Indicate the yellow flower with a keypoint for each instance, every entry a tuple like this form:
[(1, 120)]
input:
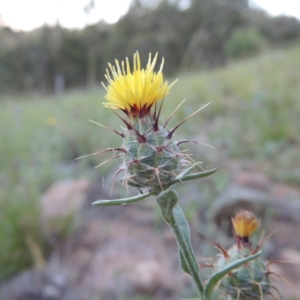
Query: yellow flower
[(245, 223), (134, 92), (51, 121)]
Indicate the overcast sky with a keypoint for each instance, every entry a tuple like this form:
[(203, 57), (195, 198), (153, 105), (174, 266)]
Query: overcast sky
[(29, 14)]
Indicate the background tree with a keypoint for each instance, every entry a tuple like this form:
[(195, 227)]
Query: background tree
[(205, 34)]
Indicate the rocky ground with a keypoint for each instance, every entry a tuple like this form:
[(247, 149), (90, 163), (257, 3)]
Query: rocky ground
[(114, 253)]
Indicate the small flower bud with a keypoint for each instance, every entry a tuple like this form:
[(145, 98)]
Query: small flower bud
[(245, 223)]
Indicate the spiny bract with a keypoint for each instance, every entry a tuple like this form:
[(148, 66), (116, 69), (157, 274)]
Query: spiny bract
[(151, 158), (247, 282)]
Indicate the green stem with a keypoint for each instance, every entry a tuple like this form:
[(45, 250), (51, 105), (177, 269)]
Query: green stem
[(174, 217)]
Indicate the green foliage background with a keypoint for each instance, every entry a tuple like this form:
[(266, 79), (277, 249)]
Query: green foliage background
[(253, 118), (206, 34)]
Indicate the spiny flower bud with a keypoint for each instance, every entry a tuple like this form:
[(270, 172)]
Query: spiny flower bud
[(151, 158), (249, 281)]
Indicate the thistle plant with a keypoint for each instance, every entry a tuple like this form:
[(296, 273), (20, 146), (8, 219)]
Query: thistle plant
[(154, 162), (251, 280)]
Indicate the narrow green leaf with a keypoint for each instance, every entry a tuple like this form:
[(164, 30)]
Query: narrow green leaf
[(122, 200), (183, 264), (214, 279), (185, 231), (198, 175), (188, 170), (192, 176)]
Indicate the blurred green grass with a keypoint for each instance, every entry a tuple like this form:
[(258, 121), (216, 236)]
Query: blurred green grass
[(253, 117)]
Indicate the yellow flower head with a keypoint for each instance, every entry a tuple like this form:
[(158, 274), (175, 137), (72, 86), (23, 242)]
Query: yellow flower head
[(245, 223), (51, 121), (135, 91)]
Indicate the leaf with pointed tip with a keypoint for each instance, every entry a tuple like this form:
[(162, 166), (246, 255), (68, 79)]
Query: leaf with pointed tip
[(216, 277), (198, 175), (188, 170), (192, 176), (122, 200), (175, 218)]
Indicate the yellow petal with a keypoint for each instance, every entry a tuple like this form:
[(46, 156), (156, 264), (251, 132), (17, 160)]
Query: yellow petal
[(135, 91), (245, 223)]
